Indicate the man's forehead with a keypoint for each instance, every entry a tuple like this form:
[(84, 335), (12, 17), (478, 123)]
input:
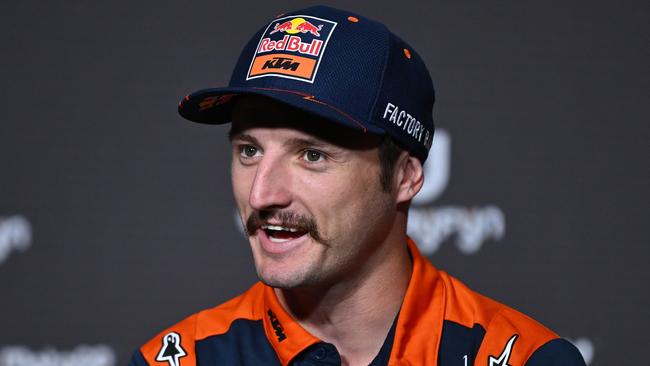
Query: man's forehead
[(252, 111)]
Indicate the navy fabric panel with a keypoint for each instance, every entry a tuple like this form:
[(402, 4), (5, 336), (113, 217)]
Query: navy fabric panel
[(319, 354), (245, 343), (558, 352), (459, 343), (137, 359), (324, 354)]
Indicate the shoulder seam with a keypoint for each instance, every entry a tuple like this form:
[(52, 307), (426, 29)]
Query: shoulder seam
[(538, 348)]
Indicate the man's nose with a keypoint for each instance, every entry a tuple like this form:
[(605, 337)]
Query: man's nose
[(271, 186)]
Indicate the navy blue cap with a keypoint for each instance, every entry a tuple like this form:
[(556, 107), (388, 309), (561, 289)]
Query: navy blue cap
[(341, 66)]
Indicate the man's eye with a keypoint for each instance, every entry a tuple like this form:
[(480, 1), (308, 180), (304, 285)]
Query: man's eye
[(249, 151), (313, 156)]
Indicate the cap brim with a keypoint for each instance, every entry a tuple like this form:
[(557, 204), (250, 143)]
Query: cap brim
[(214, 105)]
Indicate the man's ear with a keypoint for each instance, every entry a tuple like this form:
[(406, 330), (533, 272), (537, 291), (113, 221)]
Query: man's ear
[(410, 177)]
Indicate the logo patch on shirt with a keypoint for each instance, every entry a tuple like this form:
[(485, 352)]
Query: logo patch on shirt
[(171, 350), (503, 358), (291, 47), (277, 327)]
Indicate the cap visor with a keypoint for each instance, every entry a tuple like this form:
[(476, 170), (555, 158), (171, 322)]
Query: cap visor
[(213, 106)]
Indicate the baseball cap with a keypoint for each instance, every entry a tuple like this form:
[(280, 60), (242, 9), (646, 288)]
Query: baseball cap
[(344, 67)]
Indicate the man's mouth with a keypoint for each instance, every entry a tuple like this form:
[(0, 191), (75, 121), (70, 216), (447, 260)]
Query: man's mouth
[(281, 234), (280, 231)]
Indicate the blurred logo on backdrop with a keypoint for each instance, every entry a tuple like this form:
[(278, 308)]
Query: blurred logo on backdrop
[(83, 355), (431, 225), (15, 234)]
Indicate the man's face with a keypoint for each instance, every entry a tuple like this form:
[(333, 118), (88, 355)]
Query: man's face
[(308, 193)]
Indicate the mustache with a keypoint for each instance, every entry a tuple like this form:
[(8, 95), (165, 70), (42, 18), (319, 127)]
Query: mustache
[(290, 219)]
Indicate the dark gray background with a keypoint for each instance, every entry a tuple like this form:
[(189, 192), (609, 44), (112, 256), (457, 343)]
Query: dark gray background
[(131, 206)]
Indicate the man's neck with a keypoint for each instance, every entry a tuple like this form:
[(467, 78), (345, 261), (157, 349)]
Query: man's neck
[(356, 314)]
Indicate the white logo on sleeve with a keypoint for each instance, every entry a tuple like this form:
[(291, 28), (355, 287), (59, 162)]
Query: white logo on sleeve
[(505, 354), (171, 349)]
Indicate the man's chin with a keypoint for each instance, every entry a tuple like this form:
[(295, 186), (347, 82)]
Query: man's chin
[(284, 278), (280, 283)]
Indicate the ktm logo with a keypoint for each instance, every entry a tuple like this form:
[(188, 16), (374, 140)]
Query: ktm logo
[(284, 63), (279, 331)]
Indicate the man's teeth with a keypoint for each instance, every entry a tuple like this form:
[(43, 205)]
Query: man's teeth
[(278, 240), (280, 234), (279, 228)]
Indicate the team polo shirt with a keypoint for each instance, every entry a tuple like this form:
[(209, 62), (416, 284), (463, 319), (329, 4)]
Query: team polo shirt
[(440, 322)]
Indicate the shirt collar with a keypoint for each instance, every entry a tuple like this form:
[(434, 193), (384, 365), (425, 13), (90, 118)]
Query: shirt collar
[(419, 325), (287, 337), (416, 334)]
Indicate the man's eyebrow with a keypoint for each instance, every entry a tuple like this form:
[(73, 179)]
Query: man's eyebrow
[(243, 137), (306, 142), (296, 142)]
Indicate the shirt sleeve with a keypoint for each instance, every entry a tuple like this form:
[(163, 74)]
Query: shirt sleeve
[(137, 359), (558, 352)]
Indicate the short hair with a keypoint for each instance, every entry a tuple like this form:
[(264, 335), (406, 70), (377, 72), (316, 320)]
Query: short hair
[(388, 151)]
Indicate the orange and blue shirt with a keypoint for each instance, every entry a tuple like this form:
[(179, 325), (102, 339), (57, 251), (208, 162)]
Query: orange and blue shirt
[(440, 322)]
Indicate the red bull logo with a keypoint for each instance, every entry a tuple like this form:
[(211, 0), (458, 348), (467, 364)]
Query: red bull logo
[(297, 25), (293, 44), (292, 47)]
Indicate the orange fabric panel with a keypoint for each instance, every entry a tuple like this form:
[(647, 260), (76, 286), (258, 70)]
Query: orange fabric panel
[(434, 296), (217, 320), (508, 323), (206, 323), (501, 323), (465, 306), (419, 326)]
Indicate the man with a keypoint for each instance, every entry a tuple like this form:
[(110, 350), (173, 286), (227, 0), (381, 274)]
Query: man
[(331, 123)]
